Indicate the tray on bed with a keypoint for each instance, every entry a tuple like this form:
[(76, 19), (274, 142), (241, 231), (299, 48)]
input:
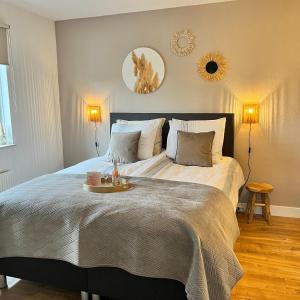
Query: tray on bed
[(109, 187)]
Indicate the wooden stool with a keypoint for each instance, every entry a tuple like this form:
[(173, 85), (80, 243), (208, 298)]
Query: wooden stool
[(263, 189)]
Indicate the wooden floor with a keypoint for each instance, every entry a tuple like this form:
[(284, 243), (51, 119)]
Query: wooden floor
[(270, 256)]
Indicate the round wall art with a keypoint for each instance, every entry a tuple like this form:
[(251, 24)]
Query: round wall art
[(143, 70), (182, 43), (212, 66)]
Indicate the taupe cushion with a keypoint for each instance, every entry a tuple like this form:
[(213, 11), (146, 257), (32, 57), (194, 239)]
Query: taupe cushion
[(123, 146), (194, 149)]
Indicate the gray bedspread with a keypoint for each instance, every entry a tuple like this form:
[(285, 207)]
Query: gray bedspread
[(163, 229)]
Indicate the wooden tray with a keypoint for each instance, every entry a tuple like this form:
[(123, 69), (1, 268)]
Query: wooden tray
[(107, 188)]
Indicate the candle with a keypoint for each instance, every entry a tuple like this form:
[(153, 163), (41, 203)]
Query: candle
[(93, 178)]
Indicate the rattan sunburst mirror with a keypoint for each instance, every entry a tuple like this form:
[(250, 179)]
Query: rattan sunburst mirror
[(182, 43), (212, 66)]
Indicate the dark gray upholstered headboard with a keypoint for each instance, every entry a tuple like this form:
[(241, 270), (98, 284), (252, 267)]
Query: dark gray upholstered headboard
[(228, 146)]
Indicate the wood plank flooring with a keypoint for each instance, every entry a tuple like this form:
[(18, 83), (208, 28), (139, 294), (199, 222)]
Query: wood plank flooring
[(27, 290), (269, 254)]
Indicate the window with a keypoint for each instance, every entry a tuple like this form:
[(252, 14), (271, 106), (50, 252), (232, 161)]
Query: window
[(5, 119)]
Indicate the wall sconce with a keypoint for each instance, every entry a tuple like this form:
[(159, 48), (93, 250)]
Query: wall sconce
[(250, 116), (94, 115), (250, 113)]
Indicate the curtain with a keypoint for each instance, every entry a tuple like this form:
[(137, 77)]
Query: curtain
[(4, 57), (2, 135), (4, 60), (2, 132)]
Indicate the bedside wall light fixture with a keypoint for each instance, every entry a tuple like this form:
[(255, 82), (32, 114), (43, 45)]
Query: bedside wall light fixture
[(250, 116), (250, 113), (94, 116)]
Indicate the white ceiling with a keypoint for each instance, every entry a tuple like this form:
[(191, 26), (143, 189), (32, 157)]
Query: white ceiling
[(73, 9)]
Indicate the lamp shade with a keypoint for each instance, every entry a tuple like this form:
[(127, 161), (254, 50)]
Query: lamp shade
[(94, 113), (250, 113)]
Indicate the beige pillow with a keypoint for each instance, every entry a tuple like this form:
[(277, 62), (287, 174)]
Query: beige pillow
[(158, 124), (158, 139), (123, 146), (146, 143), (194, 149)]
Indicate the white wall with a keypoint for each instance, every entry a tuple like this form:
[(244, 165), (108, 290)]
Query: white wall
[(258, 38), (35, 105)]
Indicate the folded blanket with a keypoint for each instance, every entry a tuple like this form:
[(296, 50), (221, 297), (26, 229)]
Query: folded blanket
[(163, 229)]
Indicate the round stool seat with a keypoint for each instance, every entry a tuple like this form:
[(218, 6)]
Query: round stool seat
[(260, 187)]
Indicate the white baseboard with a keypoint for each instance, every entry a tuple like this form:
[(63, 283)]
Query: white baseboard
[(280, 211)]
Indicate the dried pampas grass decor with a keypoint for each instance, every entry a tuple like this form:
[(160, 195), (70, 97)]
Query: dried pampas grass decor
[(143, 70), (147, 80), (182, 43), (212, 66)]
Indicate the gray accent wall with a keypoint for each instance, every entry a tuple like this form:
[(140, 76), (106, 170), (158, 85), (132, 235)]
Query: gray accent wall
[(259, 40)]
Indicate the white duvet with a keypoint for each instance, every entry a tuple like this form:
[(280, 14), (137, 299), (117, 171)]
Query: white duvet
[(226, 175)]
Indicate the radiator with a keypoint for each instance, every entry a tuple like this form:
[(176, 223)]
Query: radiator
[(7, 180)]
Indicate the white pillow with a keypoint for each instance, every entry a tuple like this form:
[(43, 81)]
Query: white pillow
[(158, 124), (146, 142), (218, 126), (175, 125)]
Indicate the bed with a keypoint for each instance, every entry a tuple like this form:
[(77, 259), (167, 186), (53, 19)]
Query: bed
[(116, 283)]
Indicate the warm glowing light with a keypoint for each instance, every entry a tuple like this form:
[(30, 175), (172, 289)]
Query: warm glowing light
[(250, 113), (94, 114)]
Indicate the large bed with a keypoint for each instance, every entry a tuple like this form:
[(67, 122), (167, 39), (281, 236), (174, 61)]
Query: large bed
[(114, 280)]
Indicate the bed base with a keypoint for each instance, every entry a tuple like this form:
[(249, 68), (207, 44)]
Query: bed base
[(103, 283)]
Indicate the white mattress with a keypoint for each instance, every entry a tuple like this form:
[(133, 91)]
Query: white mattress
[(226, 175)]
